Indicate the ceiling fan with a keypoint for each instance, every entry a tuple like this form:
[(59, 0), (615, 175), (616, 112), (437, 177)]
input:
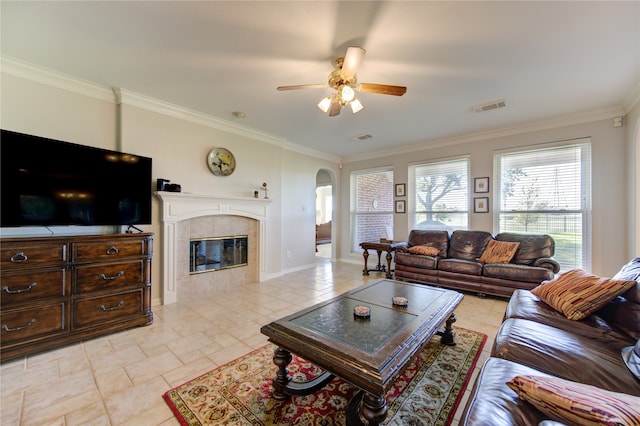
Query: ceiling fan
[(345, 82)]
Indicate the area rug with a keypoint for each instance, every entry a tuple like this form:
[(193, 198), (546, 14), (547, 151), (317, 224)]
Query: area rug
[(239, 393)]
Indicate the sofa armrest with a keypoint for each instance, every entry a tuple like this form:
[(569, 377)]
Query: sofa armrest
[(549, 263)]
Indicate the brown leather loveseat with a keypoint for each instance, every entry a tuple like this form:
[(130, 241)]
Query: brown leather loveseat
[(538, 341), (458, 264)]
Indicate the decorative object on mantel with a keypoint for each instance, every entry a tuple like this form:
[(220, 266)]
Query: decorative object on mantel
[(265, 189), (221, 162), (164, 185), (256, 194)]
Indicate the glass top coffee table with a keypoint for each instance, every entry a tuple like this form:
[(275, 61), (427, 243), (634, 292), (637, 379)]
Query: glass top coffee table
[(369, 352)]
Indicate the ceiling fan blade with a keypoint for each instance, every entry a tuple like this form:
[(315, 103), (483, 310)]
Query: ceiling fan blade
[(335, 107), (383, 89), (302, 86), (352, 61)]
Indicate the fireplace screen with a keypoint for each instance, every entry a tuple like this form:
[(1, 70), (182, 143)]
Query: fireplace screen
[(211, 254)]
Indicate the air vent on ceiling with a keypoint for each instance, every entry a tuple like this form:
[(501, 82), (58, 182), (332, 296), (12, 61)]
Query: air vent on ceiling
[(362, 137), (490, 106)]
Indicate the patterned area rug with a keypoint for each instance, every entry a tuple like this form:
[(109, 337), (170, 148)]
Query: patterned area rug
[(239, 393)]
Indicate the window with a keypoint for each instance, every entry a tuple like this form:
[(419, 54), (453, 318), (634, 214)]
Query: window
[(371, 206), (548, 191), (439, 195)]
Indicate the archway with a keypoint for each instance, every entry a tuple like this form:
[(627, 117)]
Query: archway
[(324, 213)]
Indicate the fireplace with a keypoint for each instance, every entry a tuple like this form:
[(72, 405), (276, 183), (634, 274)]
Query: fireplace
[(214, 254), (188, 216)]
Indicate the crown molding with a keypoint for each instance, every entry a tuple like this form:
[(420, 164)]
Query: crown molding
[(18, 68), (562, 121), (46, 76)]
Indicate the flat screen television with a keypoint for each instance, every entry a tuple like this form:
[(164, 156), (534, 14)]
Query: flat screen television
[(47, 182)]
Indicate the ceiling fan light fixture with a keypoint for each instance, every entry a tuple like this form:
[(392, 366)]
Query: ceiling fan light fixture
[(356, 106), (347, 93), (324, 104)]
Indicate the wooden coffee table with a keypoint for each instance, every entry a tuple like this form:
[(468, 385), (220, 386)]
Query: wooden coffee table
[(369, 353)]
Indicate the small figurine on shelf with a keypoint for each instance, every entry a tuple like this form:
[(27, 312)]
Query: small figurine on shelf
[(264, 187)]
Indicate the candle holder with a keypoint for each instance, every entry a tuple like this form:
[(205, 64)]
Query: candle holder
[(362, 311), (265, 189), (400, 300)]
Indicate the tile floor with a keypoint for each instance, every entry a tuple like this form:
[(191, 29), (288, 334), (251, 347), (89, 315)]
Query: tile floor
[(119, 379)]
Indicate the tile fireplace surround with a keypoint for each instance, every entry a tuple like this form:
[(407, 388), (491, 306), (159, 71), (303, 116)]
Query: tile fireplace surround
[(186, 216)]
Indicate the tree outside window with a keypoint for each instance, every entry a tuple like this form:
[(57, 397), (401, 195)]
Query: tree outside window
[(548, 191), (439, 195)]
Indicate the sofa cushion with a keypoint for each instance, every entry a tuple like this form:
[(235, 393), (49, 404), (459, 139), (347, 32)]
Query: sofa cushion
[(493, 403), (461, 266), (624, 314), (468, 245), (499, 252), (532, 246), (525, 305), (565, 354), (432, 238), (424, 250), (577, 403), (509, 271), (577, 293), (423, 262)]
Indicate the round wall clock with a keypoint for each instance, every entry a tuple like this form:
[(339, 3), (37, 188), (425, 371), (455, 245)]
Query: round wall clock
[(221, 162)]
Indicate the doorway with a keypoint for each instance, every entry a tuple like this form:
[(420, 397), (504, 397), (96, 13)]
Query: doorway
[(324, 214)]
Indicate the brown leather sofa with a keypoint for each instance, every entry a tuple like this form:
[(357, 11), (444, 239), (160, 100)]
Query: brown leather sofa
[(323, 234), (534, 339), (456, 265)]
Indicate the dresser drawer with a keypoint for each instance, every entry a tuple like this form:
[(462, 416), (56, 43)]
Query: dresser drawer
[(109, 276), (31, 286), (24, 255), (100, 310), (20, 325), (110, 249)]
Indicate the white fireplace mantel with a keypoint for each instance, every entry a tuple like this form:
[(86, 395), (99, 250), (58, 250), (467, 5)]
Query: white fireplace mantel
[(179, 206)]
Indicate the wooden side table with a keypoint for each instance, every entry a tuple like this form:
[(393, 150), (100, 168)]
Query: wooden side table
[(389, 247)]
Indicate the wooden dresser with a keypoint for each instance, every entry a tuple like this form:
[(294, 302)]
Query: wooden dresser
[(59, 290)]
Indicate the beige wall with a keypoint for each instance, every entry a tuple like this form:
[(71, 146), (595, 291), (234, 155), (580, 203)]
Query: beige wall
[(632, 124)]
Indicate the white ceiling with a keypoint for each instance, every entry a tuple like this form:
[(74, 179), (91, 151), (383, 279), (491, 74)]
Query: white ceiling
[(548, 59)]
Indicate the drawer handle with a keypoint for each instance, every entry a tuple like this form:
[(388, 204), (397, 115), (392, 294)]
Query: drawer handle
[(113, 250), (19, 257), (115, 277), (29, 324), (113, 308), (23, 290)]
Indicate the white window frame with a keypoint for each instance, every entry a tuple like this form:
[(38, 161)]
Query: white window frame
[(374, 210), (584, 212), (413, 209)]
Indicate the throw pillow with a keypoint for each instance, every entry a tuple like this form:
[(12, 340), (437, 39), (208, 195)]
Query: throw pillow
[(499, 252), (424, 250), (578, 294), (577, 403)]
